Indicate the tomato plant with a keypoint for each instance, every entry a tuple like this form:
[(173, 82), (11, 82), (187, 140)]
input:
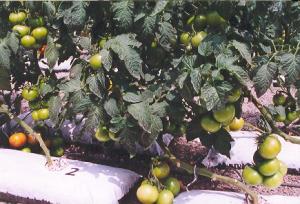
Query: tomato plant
[(142, 69)]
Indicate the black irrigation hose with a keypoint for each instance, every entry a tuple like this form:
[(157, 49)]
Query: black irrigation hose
[(291, 185)]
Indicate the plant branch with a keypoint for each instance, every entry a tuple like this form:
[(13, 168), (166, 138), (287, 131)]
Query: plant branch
[(205, 172), (28, 129), (268, 117)]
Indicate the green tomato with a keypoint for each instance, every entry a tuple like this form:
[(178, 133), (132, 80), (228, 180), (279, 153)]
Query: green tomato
[(214, 19), (279, 99), (200, 22), (270, 147), (209, 124), (251, 176), (58, 152), (185, 38), (280, 117), (21, 29), (154, 44), (43, 114), (35, 115), (293, 115), (234, 95), (273, 181), (102, 134), (161, 171), (165, 197), (36, 22), (21, 16), (173, 185), (39, 33), (26, 149), (197, 39), (147, 194), (30, 94), (283, 168), (236, 124), (57, 142), (102, 42), (269, 167), (13, 18), (225, 114), (28, 41), (95, 61)]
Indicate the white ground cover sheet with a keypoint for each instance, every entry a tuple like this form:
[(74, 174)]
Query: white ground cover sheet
[(222, 197), (244, 146), (24, 174)]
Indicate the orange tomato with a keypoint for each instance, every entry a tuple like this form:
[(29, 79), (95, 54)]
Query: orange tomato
[(17, 140), (32, 140)]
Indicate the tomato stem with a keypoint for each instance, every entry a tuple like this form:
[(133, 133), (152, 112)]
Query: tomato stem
[(28, 129), (205, 172), (268, 117)]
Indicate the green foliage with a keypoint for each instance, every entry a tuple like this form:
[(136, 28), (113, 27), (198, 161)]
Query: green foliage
[(148, 80)]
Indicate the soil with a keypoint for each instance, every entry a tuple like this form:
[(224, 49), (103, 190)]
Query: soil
[(191, 152)]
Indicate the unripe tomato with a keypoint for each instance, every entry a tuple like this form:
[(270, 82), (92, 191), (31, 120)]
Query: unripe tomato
[(57, 142), (234, 95), (35, 115), (280, 117), (154, 44), (173, 185), (214, 19), (21, 16), (200, 22), (39, 33), (227, 113), (95, 61), (251, 176), (43, 114), (102, 134), (270, 147), (293, 115), (30, 94), (279, 99), (13, 18), (58, 152), (236, 124), (17, 140), (283, 168), (185, 38), (32, 140), (147, 194), (36, 22), (197, 39), (102, 42), (273, 181), (165, 197), (26, 149), (269, 167), (209, 124), (28, 41), (21, 29), (161, 171)]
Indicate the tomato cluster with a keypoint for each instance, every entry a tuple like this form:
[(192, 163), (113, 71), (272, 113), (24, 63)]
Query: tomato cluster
[(198, 24), (287, 104), (103, 134), (22, 26), (213, 121), (29, 143), (268, 170), (152, 191)]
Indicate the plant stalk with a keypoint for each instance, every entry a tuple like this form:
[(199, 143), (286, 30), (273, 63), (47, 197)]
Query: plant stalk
[(28, 129)]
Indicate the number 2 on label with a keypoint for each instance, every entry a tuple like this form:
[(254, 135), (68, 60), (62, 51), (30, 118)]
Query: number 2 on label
[(72, 172)]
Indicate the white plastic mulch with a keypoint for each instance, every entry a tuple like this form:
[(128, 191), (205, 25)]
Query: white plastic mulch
[(222, 197), (243, 148), (24, 174)]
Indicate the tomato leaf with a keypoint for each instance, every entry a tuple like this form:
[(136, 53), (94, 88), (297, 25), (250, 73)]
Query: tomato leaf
[(55, 105), (111, 107), (222, 142), (132, 97), (167, 33), (123, 13), (159, 7), (290, 64), (264, 76), (51, 52), (243, 50), (94, 116)]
